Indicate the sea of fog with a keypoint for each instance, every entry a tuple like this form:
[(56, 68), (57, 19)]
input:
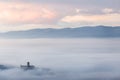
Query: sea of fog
[(60, 59)]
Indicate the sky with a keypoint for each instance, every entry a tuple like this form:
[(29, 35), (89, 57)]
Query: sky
[(30, 14)]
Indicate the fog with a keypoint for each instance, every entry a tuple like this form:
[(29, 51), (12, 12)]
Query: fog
[(60, 59), (95, 73)]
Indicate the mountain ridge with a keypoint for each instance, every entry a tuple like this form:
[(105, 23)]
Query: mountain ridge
[(79, 32)]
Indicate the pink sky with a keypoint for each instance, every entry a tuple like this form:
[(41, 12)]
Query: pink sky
[(18, 14)]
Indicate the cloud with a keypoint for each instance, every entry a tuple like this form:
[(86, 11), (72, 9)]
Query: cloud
[(104, 19), (108, 10), (18, 13), (24, 13)]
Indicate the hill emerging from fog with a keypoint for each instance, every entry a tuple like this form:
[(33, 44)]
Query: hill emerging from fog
[(81, 32)]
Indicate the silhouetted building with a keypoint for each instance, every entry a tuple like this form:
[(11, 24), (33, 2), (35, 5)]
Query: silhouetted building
[(28, 66)]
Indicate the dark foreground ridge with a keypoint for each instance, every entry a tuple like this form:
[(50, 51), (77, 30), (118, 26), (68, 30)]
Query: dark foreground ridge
[(80, 32), (24, 67), (3, 67), (28, 66)]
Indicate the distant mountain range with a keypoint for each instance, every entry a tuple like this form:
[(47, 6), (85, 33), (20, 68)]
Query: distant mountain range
[(81, 32)]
